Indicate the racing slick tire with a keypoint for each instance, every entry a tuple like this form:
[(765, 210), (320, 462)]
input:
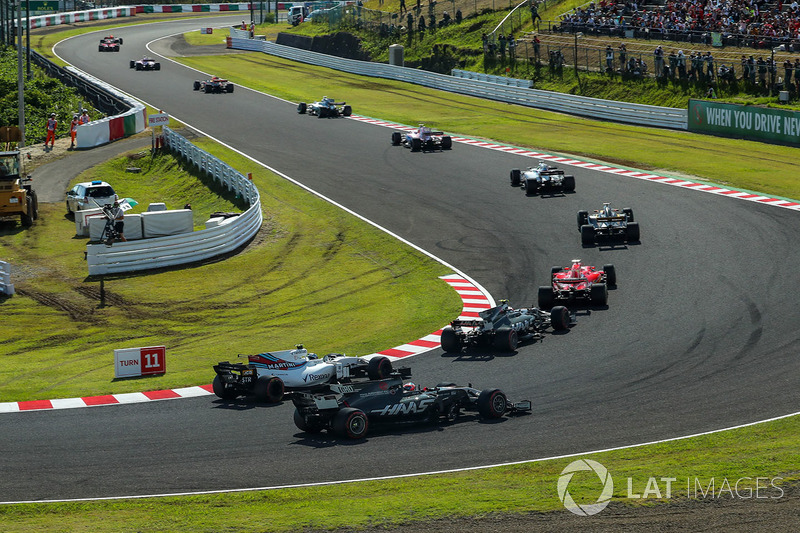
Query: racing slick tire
[(515, 177), (555, 270), (598, 294), (133, 64), (138, 66), (269, 389), (347, 111), (120, 40), (559, 318), (451, 343), (301, 108), (351, 423), (546, 297), (583, 219), (397, 137), (229, 88), (587, 235), (569, 183), (611, 275), (416, 144), (530, 186), (207, 88), (506, 339), (632, 232), (221, 391), (628, 212), (99, 48), (322, 112), (304, 425), (447, 143), (196, 86), (379, 368), (492, 403), (158, 66)]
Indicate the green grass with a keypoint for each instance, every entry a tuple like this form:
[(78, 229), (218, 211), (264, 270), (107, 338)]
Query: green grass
[(314, 274), (765, 450), (732, 162)]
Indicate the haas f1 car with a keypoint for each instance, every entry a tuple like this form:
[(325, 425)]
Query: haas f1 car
[(607, 224), (214, 85), (422, 139), (325, 108), (578, 282), (146, 63), (268, 376), (542, 179), (348, 410), (503, 327)]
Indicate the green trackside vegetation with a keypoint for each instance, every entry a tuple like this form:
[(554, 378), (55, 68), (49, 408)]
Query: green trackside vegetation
[(765, 451), (750, 165), (768, 449), (313, 274)]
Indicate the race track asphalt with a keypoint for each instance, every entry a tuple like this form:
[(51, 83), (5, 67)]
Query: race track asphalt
[(700, 333)]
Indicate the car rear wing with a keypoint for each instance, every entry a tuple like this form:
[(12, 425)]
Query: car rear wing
[(616, 218), (466, 323), (225, 367)]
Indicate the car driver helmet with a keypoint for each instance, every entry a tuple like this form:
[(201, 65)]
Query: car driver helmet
[(410, 387)]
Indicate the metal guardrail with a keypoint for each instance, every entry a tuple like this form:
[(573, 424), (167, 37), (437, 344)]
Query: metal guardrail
[(645, 115), (6, 287), (501, 80), (148, 254), (104, 100)]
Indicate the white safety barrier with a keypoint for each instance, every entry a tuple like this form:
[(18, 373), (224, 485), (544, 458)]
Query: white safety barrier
[(109, 129), (644, 115), (149, 254), (6, 287), (501, 80), (72, 17)]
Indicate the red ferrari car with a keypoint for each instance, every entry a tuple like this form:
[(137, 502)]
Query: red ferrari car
[(110, 44), (578, 281)]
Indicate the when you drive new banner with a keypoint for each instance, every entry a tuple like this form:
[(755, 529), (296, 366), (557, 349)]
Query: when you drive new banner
[(749, 122)]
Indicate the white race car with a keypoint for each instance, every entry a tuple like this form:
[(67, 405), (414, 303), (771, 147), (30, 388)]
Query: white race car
[(542, 179), (270, 375)]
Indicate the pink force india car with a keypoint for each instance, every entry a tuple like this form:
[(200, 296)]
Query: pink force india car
[(578, 282)]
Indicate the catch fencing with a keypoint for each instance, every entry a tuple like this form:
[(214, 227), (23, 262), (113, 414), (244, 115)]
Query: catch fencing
[(159, 252), (645, 115)]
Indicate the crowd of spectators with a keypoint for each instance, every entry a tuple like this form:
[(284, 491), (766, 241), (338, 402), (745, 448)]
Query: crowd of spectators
[(742, 22)]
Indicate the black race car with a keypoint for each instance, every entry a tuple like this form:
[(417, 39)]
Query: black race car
[(503, 327), (607, 224), (348, 410), (145, 63), (214, 85)]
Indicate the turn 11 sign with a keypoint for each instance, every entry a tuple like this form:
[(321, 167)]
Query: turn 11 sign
[(132, 362)]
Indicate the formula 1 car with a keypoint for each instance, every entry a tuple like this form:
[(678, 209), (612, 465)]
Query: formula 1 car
[(270, 374), (214, 85), (348, 410), (325, 108), (110, 44), (146, 63), (542, 179), (608, 223), (578, 281), (422, 139), (503, 327)]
